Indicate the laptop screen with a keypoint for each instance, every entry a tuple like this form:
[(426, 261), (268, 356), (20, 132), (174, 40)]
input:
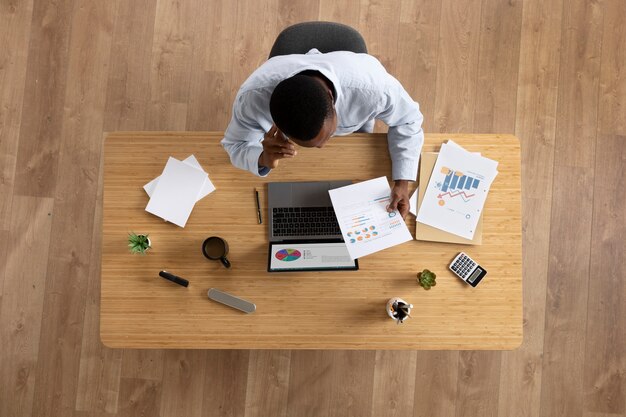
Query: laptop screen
[(302, 211)]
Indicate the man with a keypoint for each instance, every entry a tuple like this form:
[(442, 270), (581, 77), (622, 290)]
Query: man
[(306, 99)]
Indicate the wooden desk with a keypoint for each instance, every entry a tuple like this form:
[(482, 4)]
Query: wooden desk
[(297, 310)]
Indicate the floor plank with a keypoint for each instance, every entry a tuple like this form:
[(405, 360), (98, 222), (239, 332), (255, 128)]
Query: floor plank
[(330, 383), (478, 382), (25, 273), (291, 12), (249, 52), (436, 384), (183, 383), (457, 66), (99, 367), (129, 66), (210, 96), (219, 36), (220, 399), (44, 96), (577, 115), (613, 71), (394, 383), (592, 414), (352, 383), (268, 383), (498, 63), (4, 248), (346, 12), (143, 364), (566, 302), (68, 264), (15, 30), (535, 126), (570, 225), (381, 38), (139, 397), (172, 48), (605, 365), (418, 48), (166, 116)]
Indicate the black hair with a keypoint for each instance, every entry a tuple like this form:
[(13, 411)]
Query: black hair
[(299, 106)]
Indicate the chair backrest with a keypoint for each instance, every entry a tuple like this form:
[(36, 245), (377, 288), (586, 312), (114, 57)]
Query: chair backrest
[(325, 36)]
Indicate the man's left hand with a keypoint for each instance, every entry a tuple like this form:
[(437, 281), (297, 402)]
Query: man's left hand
[(399, 198)]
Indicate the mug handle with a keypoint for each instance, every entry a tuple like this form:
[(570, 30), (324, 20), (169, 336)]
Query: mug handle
[(225, 261)]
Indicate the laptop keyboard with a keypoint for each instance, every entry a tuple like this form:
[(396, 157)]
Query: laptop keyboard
[(305, 221)]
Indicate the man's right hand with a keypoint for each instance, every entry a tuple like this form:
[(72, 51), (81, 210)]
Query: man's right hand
[(276, 146)]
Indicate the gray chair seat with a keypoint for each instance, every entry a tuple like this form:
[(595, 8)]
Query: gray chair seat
[(325, 36)]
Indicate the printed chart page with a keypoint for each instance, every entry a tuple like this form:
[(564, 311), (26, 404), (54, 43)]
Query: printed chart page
[(365, 224), (457, 190), (309, 256)]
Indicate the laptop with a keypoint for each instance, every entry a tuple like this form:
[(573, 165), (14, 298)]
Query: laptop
[(304, 234)]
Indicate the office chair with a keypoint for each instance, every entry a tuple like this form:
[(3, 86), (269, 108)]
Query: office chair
[(325, 36)]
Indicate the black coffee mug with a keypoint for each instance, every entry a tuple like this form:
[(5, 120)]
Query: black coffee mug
[(215, 248)]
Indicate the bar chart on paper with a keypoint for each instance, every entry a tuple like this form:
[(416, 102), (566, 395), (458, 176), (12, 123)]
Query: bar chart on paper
[(455, 180), (457, 185), (457, 190)]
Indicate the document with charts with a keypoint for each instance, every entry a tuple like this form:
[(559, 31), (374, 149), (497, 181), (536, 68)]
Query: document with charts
[(457, 190), (365, 224)]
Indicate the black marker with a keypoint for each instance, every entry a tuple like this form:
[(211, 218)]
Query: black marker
[(174, 278)]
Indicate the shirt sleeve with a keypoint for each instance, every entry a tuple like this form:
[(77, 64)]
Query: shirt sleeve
[(243, 139), (405, 136)]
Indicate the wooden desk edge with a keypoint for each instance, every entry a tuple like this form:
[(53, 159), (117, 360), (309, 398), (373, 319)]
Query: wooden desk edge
[(511, 345), (125, 134)]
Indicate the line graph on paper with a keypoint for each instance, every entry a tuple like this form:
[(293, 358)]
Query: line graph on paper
[(465, 197)]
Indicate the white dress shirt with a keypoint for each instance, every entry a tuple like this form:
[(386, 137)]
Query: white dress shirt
[(363, 91)]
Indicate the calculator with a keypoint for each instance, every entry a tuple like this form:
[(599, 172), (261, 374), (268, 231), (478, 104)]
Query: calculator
[(467, 269)]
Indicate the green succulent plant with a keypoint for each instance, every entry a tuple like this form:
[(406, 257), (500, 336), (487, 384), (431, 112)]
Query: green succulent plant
[(138, 243), (426, 279)]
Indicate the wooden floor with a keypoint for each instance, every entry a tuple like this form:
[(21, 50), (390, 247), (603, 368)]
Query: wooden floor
[(553, 72)]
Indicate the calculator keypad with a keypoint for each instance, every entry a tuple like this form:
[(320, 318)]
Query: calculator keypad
[(467, 269), (463, 266)]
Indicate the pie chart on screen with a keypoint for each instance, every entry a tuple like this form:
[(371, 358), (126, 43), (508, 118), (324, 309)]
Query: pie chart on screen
[(288, 255)]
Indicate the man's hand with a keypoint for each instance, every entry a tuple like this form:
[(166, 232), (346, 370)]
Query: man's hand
[(276, 146), (400, 198)]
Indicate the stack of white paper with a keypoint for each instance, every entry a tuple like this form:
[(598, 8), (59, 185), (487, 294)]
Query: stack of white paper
[(413, 202), (174, 193), (457, 190), (365, 224)]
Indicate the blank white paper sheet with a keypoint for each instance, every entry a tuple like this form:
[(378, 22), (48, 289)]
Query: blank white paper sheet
[(176, 192), (207, 188)]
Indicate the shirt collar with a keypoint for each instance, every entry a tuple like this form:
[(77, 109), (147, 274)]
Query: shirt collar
[(325, 70)]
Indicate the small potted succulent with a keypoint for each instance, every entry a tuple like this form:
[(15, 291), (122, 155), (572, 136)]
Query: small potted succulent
[(138, 243), (426, 279)]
